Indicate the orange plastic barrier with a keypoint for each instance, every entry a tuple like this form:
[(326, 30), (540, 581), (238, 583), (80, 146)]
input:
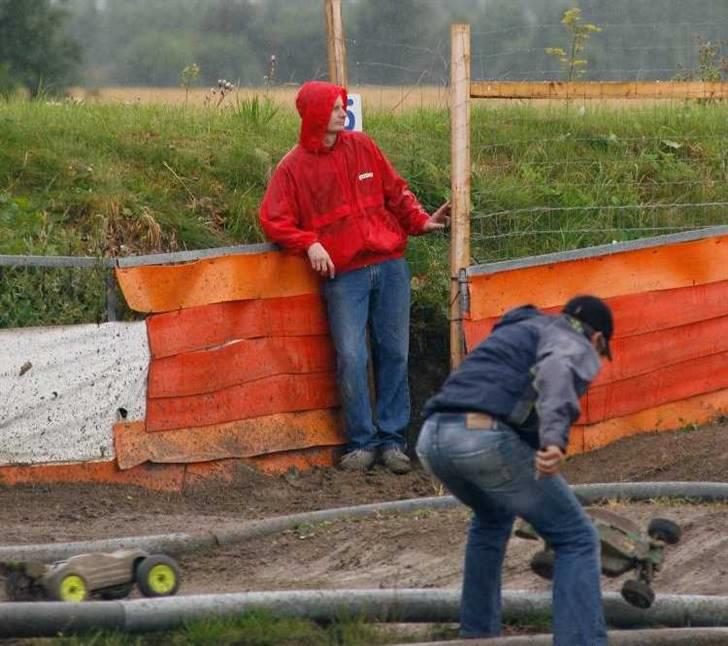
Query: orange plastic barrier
[(167, 477), (265, 396), (668, 384), (638, 271), (207, 326), (162, 477), (194, 373), (164, 288), (668, 308), (670, 349), (667, 417), (240, 439), (276, 463)]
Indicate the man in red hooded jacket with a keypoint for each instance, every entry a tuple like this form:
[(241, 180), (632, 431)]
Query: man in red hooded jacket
[(336, 198)]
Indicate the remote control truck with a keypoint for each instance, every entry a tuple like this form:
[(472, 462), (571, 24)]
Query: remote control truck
[(625, 547), (95, 575)]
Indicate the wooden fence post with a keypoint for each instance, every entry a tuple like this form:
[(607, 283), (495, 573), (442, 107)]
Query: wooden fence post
[(460, 162), (336, 44)]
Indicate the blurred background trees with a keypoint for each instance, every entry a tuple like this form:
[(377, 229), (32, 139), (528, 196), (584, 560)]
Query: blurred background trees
[(149, 42), (36, 52)]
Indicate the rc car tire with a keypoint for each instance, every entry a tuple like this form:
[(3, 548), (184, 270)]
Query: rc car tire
[(68, 586), (542, 564), (121, 591), (158, 576), (664, 530), (638, 594)]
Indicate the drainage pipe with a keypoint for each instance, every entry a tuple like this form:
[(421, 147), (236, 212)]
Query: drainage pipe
[(45, 619), (649, 637), (180, 542)]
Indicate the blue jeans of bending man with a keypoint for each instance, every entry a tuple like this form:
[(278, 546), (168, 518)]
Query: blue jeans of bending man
[(493, 473), (376, 298)]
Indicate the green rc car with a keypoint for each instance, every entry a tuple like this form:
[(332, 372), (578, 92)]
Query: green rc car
[(624, 547), (98, 575)]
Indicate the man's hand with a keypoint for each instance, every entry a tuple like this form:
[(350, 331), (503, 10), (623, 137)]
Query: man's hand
[(320, 260), (548, 461), (439, 219)]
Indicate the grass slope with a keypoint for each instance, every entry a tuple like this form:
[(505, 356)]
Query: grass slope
[(116, 179)]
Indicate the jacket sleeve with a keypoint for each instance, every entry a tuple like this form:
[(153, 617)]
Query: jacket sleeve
[(279, 215), (398, 199), (565, 367)]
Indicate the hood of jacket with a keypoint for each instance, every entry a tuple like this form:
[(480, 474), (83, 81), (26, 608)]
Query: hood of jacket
[(517, 315), (314, 102)]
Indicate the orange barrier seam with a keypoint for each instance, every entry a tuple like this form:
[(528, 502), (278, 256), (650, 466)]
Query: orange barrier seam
[(208, 326), (243, 361), (278, 394)]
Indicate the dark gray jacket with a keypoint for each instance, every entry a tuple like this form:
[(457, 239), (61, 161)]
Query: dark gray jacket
[(529, 373)]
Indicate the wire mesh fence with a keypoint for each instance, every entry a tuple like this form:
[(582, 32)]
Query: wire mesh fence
[(595, 181)]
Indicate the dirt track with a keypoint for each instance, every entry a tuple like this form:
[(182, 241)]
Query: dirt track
[(421, 549)]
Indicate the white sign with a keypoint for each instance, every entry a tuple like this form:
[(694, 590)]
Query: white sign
[(354, 119)]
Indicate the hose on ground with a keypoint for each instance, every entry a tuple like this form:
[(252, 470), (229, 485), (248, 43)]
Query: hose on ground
[(181, 542), (41, 619)]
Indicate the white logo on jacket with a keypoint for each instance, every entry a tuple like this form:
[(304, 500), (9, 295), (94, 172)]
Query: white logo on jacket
[(367, 175)]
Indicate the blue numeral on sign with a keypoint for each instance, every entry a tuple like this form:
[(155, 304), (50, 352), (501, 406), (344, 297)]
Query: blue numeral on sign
[(350, 116)]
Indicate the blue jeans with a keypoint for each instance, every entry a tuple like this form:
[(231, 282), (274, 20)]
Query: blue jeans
[(493, 472), (376, 298)]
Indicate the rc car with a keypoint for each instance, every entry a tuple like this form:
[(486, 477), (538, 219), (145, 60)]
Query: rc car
[(96, 575), (624, 547)]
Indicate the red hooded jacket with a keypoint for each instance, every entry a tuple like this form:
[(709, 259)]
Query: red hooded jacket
[(347, 197)]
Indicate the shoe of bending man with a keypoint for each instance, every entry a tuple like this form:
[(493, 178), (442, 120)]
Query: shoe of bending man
[(336, 198)]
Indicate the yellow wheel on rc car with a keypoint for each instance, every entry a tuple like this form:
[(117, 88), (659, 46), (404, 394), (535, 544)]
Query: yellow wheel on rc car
[(70, 587), (158, 576)]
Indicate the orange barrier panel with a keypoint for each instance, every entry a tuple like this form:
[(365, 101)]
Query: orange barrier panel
[(157, 477), (306, 459), (644, 354), (667, 417), (208, 326), (665, 385), (681, 264), (202, 473), (240, 439), (666, 309), (164, 288), (278, 394), (200, 372)]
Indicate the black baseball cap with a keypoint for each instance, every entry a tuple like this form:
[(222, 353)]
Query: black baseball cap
[(596, 314)]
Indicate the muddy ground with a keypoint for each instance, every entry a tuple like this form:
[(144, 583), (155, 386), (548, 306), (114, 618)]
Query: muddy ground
[(422, 549)]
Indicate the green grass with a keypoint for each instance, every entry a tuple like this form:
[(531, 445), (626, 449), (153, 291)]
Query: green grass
[(262, 629), (128, 179)]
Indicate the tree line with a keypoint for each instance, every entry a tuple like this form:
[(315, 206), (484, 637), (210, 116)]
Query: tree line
[(50, 43)]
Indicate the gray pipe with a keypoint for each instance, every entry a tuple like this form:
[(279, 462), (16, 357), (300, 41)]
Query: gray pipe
[(178, 543), (650, 637), (45, 619)]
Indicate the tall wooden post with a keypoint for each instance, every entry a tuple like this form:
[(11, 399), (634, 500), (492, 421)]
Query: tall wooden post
[(336, 44), (460, 162)]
